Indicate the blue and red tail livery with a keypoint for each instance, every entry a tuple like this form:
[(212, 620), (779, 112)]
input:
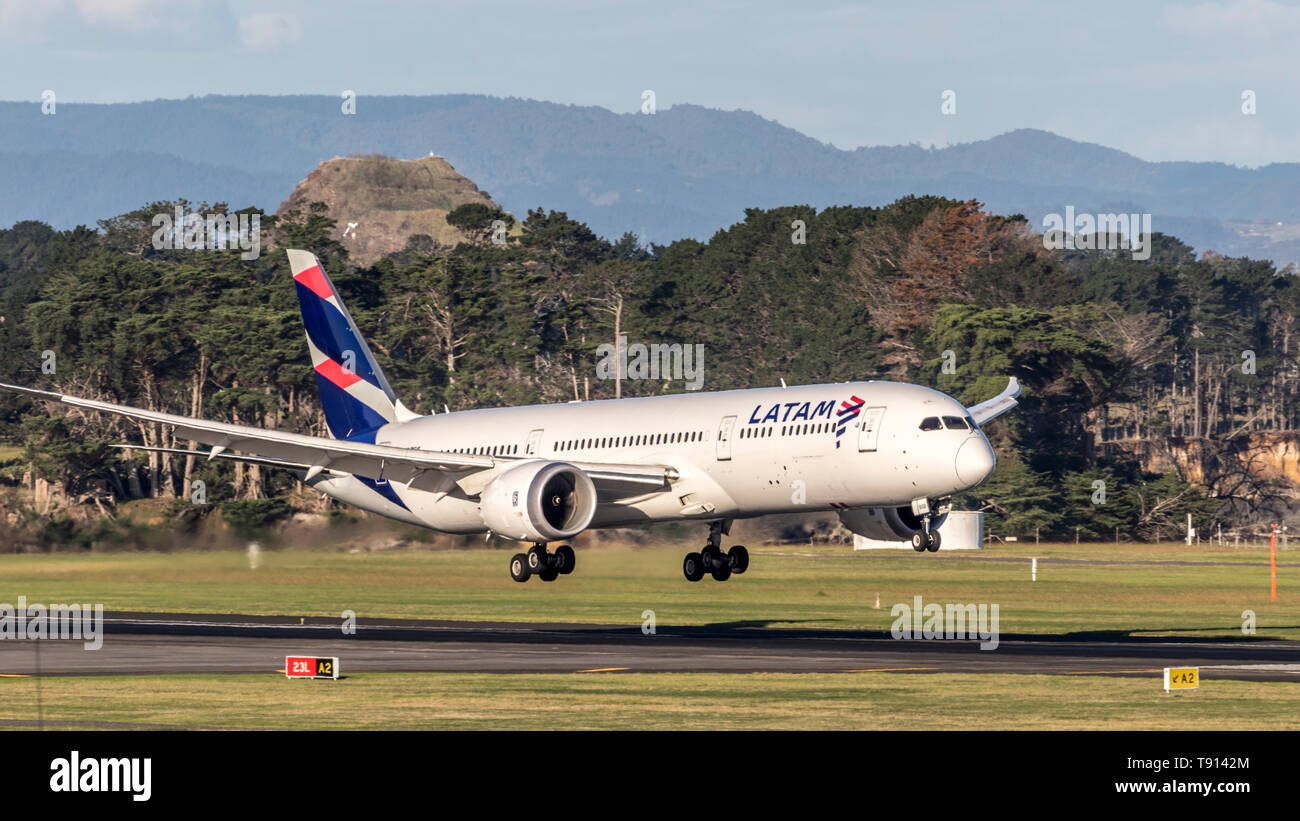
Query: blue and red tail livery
[(356, 397)]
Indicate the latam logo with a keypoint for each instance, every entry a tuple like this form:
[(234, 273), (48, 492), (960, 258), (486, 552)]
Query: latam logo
[(796, 411), (806, 410), (849, 410)]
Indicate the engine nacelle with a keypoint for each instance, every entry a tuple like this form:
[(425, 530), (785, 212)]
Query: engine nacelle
[(889, 524), (539, 502)]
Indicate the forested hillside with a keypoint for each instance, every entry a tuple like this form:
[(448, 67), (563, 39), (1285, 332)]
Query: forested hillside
[(1166, 379)]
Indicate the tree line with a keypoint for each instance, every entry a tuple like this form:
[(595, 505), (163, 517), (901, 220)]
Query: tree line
[(1152, 388)]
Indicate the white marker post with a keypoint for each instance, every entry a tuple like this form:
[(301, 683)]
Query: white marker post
[(1033, 569)]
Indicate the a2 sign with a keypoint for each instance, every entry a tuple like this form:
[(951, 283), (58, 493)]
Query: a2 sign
[(1182, 678), (311, 667)]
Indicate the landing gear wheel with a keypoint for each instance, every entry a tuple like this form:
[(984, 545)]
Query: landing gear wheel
[(934, 541), (711, 555), (519, 568), (548, 574), (693, 567), (738, 558), (565, 560), (721, 572), (919, 542), (537, 557)]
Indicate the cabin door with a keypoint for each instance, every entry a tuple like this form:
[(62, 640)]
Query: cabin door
[(725, 431), (869, 432), (534, 442)]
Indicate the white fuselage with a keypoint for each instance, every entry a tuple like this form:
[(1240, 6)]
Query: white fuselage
[(735, 453)]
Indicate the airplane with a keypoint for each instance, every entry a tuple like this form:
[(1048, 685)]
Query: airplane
[(886, 456)]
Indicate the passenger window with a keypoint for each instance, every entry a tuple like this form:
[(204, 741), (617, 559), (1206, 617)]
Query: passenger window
[(930, 423)]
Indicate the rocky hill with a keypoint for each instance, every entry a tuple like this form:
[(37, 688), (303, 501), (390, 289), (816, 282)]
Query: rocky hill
[(380, 202)]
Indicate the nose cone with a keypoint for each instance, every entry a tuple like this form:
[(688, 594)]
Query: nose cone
[(975, 461)]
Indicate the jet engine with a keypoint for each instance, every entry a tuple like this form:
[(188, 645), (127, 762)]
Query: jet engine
[(890, 524), (539, 502)]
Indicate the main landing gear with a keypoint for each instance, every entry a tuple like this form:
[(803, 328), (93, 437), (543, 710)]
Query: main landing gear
[(546, 565), (713, 559)]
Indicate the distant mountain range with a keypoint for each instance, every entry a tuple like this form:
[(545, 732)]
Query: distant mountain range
[(684, 171)]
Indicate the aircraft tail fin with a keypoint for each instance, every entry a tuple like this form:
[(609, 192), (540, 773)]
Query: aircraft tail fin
[(354, 392)]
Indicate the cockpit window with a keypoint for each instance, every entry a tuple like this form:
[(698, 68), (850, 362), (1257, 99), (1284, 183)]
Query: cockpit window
[(930, 423), (954, 423)]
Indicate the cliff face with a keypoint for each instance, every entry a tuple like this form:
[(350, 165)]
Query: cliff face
[(380, 202), (1271, 457)]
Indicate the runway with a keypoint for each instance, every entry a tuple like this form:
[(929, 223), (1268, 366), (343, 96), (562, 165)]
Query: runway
[(169, 643)]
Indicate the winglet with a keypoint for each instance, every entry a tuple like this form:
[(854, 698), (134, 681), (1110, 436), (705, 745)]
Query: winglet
[(993, 408)]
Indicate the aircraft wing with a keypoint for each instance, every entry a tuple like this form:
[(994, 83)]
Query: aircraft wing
[(423, 469), (225, 456), (993, 408), (401, 465)]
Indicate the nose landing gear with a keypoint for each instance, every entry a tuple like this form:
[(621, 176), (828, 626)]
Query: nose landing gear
[(925, 538)]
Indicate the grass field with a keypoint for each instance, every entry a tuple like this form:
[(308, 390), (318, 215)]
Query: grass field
[(688, 701), (801, 586), (827, 587)]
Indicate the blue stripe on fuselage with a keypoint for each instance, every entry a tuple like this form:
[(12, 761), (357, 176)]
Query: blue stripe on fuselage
[(383, 489)]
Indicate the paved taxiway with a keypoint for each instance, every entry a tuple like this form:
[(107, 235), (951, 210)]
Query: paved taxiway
[(153, 643)]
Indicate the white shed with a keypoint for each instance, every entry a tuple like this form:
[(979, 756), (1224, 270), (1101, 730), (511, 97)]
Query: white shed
[(962, 530)]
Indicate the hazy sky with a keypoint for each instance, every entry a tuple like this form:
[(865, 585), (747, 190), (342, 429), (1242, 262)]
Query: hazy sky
[(1163, 81)]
